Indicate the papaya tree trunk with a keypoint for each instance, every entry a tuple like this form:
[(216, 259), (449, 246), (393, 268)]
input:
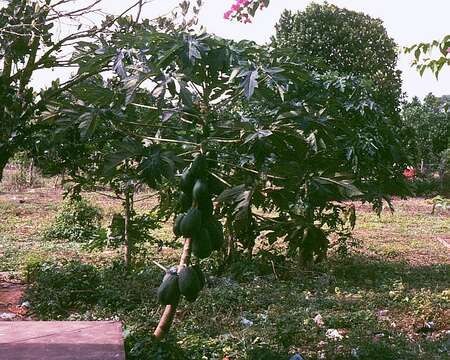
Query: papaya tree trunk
[(169, 312), (126, 234), (230, 240), (4, 158), (31, 173)]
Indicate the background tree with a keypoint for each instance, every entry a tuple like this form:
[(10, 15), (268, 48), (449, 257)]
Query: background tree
[(326, 37), (429, 126), (424, 59), (28, 44)]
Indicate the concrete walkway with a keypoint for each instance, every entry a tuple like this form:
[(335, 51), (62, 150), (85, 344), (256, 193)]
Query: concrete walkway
[(61, 340)]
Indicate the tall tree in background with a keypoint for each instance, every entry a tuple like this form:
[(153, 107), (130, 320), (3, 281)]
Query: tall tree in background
[(432, 56), (427, 125), (326, 37)]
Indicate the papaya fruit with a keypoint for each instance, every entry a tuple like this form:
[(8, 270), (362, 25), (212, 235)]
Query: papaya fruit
[(185, 201), (199, 166), (207, 208), (211, 157), (177, 225), (215, 230), (168, 291), (200, 275), (215, 186), (187, 180), (189, 283), (191, 222), (201, 244), (200, 192)]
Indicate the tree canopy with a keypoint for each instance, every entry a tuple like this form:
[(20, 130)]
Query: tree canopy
[(290, 131), (427, 128), (329, 38)]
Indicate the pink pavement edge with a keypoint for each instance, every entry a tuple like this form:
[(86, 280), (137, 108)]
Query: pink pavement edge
[(61, 340)]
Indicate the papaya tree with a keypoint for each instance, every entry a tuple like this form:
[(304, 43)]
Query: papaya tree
[(85, 139), (273, 135)]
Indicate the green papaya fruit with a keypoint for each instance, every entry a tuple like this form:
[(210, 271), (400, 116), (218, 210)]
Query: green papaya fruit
[(199, 166), (189, 283), (187, 180), (200, 192), (215, 230), (168, 291), (200, 275), (207, 208), (191, 222), (215, 186), (211, 156), (201, 244), (177, 225), (185, 201)]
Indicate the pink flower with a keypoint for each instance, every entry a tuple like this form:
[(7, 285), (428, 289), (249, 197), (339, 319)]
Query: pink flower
[(235, 7), (409, 172), (247, 20), (448, 50), (227, 15)]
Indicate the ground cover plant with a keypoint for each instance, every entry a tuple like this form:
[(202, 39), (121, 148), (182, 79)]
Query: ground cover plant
[(379, 298)]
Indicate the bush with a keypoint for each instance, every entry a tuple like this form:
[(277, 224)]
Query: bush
[(77, 221), (67, 288), (58, 289), (425, 186)]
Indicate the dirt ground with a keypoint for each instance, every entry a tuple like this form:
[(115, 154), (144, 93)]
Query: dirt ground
[(11, 292)]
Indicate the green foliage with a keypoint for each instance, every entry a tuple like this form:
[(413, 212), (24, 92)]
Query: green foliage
[(60, 288), (282, 310), (424, 59), (286, 138), (425, 185), (27, 44), (287, 134), (426, 128), (326, 37), (141, 230), (77, 221)]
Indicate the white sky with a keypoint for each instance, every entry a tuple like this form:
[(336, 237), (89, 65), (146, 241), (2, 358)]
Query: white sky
[(407, 21)]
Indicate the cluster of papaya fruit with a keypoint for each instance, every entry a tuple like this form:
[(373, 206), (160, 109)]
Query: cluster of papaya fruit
[(198, 223), (187, 281)]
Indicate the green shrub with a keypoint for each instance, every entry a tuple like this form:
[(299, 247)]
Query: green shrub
[(77, 221), (31, 265), (58, 289), (425, 186)]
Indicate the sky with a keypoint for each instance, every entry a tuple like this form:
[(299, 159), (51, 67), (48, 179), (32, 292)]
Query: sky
[(407, 22)]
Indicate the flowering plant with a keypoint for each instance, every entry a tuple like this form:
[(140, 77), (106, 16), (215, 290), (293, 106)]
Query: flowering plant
[(244, 10), (409, 173)]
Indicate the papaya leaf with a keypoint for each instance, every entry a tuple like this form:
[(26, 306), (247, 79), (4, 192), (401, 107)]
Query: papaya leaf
[(250, 82)]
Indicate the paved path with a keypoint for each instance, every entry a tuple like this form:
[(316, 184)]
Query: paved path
[(61, 340)]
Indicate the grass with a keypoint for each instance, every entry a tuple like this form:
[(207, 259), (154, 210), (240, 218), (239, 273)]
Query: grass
[(379, 299)]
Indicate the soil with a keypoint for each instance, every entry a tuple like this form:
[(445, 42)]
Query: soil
[(11, 293)]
